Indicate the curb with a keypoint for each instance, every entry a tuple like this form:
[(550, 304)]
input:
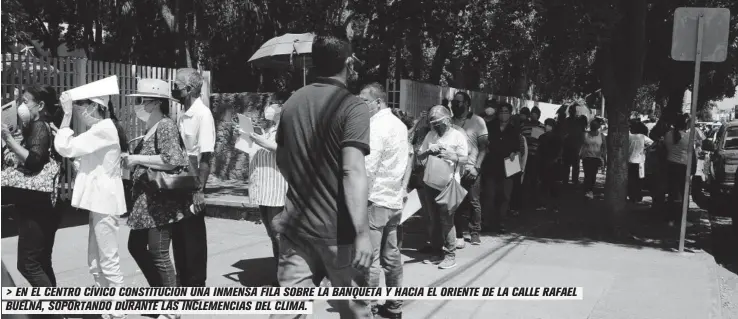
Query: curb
[(716, 303)]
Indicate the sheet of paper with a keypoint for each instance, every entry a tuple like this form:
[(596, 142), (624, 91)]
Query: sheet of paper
[(10, 115), (244, 143), (412, 206), (537, 132), (512, 167)]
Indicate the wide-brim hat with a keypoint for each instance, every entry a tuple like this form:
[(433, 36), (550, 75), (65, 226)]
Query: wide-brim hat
[(153, 88)]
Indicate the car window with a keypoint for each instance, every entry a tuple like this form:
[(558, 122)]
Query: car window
[(731, 138)]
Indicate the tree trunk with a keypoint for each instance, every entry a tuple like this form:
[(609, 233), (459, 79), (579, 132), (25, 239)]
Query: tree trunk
[(439, 60), (620, 63)]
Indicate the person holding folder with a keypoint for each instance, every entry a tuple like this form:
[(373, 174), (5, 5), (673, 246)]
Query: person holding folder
[(98, 186)]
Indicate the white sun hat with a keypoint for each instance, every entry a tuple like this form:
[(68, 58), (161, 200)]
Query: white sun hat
[(153, 88)]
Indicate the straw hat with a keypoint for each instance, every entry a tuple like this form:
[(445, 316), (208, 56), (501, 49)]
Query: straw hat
[(153, 88)]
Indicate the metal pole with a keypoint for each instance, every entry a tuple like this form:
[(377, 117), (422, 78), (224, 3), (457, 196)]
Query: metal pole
[(693, 112)]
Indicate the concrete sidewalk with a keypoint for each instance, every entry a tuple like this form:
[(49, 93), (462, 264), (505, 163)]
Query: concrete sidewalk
[(618, 281)]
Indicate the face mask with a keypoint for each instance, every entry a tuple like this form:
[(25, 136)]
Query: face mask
[(141, 113), (549, 128), (24, 113), (270, 114), (457, 108)]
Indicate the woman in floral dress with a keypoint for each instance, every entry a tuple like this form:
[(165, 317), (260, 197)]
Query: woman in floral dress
[(153, 212)]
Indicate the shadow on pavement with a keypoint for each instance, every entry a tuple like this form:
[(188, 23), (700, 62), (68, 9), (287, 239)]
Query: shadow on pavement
[(254, 272)]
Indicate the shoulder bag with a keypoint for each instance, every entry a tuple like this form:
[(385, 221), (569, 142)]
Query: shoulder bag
[(451, 196), (45, 180), (185, 180), (437, 173)]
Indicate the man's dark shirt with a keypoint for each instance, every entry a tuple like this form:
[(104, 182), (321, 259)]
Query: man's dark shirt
[(316, 123), (501, 145)]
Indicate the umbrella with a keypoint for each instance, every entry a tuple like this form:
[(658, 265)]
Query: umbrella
[(289, 50)]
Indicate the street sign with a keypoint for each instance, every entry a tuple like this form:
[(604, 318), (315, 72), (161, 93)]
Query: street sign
[(699, 35), (715, 36)]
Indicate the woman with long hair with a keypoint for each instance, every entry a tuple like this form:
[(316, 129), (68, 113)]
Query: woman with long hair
[(637, 144), (98, 187), (677, 146), (35, 215)]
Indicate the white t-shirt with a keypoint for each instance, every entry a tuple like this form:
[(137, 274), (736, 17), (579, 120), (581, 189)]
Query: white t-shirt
[(637, 144), (453, 140), (474, 127)]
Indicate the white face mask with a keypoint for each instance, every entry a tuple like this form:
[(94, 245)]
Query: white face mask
[(141, 113), (271, 112), (24, 113)]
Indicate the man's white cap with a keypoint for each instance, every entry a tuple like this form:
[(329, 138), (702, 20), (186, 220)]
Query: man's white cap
[(98, 91)]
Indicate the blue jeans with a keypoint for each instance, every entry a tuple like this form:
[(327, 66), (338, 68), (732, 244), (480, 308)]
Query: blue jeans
[(383, 231), (303, 263), (150, 249)]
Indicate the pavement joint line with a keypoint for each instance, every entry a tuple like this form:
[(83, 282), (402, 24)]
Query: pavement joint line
[(486, 269), (518, 239)]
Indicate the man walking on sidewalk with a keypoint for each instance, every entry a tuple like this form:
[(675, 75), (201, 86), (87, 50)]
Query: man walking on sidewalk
[(197, 128), (386, 166), (469, 214), (321, 143)]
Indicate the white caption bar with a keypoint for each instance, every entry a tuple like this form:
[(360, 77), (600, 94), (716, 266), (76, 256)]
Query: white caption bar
[(188, 307), (288, 293)]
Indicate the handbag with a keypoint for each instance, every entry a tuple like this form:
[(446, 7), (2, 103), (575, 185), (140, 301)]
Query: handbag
[(451, 197), (438, 173), (45, 180), (185, 180)]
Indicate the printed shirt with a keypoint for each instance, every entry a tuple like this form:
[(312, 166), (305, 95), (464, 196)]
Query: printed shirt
[(453, 140), (387, 160), (197, 128), (98, 186), (267, 186), (475, 128)]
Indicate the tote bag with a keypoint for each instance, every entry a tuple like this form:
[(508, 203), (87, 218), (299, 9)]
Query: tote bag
[(451, 197), (438, 173)]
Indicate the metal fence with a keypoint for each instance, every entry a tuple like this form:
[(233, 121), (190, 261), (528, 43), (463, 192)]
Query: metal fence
[(64, 73)]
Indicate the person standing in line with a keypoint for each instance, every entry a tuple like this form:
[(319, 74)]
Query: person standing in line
[(154, 213), (98, 187), (197, 128), (322, 139), (35, 214), (594, 156), (532, 130), (417, 135), (549, 153), (450, 144), (505, 142), (469, 214), (637, 144), (575, 126), (385, 166), (267, 186), (677, 146), (490, 108)]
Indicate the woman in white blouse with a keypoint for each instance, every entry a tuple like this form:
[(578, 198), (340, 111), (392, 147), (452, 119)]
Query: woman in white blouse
[(98, 186)]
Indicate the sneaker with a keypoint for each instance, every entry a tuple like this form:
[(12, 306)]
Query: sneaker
[(435, 260), (391, 313), (460, 243), (448, 262), (475, 239)]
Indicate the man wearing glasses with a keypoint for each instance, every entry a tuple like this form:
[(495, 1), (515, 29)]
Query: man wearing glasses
[(197, 127)]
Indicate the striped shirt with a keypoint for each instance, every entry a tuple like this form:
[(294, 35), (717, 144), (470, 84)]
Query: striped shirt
[(267, 186), (527, 132)]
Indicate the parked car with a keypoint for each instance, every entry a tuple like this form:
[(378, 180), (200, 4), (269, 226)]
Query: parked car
[(719, 169)]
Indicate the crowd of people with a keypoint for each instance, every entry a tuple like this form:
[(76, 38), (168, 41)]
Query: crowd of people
[(331, 177)]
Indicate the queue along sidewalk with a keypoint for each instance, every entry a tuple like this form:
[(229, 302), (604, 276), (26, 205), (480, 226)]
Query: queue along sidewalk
[(637, 278)]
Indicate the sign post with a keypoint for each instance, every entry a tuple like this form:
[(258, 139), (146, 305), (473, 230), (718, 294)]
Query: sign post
[(699, 35)]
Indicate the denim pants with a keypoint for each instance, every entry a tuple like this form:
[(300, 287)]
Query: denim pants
[(267, 215), (150, 249), (304, 263), (496, 192), (190, 248), (469, 214), (102, 250), (443, 238), (383, 223), (37, 224)]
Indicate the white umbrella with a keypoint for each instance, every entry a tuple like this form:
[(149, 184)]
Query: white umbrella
[(289, 50)]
